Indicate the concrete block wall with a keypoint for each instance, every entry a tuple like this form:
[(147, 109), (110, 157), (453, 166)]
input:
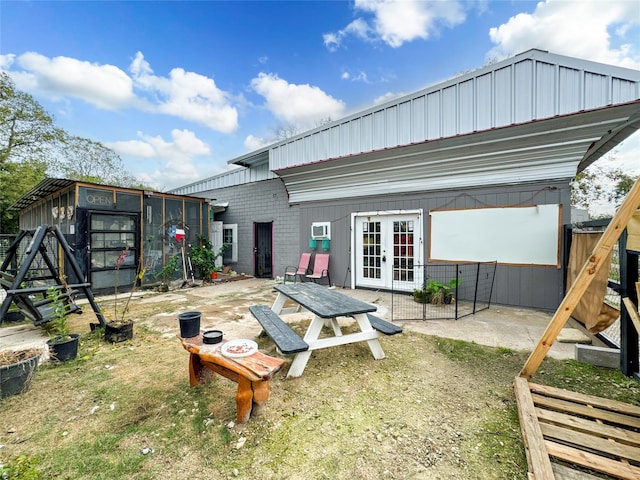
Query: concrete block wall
[(258, 202)]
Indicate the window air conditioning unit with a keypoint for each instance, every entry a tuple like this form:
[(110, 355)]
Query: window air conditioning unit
[(321, 230)]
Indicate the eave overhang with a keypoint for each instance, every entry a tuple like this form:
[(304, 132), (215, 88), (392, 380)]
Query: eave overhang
[(541, 150)]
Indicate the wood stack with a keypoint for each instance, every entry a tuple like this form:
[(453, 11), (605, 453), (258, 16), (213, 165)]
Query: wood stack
[(563, 429)]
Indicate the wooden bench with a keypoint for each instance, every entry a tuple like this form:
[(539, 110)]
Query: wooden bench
[(252, 373), (282, 335), (383, 326)]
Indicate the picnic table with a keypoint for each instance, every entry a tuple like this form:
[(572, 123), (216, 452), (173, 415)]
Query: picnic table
[(326, 305), (252, 373)]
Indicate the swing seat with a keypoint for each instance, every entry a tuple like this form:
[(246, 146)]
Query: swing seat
[(39, 311)]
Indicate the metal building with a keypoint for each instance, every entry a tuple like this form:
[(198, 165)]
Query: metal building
[(459, 171)]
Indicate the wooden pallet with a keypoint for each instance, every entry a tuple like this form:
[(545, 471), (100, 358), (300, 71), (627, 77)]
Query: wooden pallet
[(590, 433)]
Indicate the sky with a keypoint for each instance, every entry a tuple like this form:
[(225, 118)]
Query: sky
[(178, 89)]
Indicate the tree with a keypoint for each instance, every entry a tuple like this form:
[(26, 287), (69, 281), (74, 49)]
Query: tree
[(31, 146), (17, 178), (27, 131), (90, 161), (600, 183)]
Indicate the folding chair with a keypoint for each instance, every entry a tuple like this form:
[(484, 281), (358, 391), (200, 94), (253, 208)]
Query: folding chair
[(320, 268), (300, 271)]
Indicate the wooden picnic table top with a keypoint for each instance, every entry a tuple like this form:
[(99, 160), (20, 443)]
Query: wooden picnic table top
[(322, 301)]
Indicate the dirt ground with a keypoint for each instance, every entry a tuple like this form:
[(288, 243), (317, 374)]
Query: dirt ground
[(376, 425)]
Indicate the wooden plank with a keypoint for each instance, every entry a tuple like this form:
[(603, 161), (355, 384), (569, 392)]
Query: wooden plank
[(538, 461), (605, 403), (586, 411), (588, 442), (593, 461), (589, 426), (633, 313), (583, 280), (562, 472)]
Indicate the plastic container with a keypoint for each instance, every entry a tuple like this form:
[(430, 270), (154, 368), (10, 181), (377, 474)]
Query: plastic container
[(189, 324), (211, 337)]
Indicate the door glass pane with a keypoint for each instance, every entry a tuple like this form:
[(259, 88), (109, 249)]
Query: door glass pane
[(403, 250), (371, 250)]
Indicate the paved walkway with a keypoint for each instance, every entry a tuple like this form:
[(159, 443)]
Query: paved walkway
[(498, 326)]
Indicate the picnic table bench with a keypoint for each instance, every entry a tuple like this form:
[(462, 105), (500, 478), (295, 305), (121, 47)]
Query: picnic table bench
[(282, 334), (251, 373)]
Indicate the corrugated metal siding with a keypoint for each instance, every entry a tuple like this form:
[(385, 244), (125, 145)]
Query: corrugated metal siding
[(550, 148), (231, 178), (530, 86)]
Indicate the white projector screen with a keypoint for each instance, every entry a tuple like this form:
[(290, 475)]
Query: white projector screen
[(516, 235)]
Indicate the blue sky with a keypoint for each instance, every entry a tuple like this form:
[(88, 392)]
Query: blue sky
[(179, 88)]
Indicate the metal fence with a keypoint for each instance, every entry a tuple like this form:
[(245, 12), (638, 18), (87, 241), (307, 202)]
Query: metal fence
[(444, 291)]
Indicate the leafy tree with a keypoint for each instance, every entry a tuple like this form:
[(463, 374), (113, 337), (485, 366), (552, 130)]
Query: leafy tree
[(90, 161), (623, 184), (31, 146), (27, 131), (16, 179), (600, 183)]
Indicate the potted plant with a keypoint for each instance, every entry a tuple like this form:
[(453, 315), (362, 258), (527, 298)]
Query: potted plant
[(62, 345), (204, 258), (120, 328), (17, 369), (168, 272), (436, 292)]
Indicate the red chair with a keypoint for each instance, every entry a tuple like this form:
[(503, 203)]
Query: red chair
[(320, 268), (301, 270)]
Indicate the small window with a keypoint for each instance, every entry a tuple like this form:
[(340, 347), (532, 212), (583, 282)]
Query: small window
[(230, 240)]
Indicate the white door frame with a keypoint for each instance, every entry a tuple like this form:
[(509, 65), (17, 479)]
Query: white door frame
[(419, 240)]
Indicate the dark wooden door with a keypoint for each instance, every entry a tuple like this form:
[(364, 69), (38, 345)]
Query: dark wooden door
[(263, 250)]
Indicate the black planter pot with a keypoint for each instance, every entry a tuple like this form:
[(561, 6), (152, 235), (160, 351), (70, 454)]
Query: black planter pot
[(16, 378), (116, 333), (64, 350), (189, 324)]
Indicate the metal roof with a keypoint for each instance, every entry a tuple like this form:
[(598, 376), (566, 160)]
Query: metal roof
[(46, 187), (527, 89)]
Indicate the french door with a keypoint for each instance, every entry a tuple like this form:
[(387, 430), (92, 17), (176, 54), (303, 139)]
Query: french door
[(387, 249)]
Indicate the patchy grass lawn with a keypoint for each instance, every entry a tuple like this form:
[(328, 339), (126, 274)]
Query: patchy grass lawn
[(433, 409)]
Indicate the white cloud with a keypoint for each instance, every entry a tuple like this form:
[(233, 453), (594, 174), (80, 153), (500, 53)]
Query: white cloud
[(105, 86), (6, 61), (387, 97), (182, 148), (358, 28), (177, 157), (358, 77), (186, 95), (587, 29), (255, 143), (300, 105), (396, 22)]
